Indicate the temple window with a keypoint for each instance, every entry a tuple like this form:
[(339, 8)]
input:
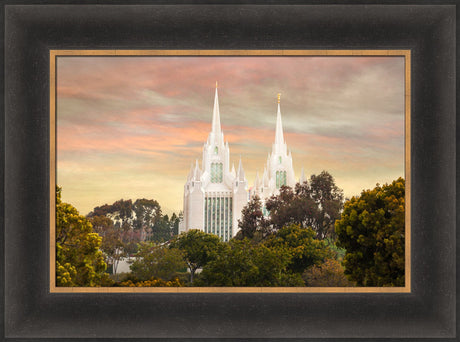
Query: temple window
[(281, 179), (216, 172)]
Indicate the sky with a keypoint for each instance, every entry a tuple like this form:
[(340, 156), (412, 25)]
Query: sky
[(130, 127)]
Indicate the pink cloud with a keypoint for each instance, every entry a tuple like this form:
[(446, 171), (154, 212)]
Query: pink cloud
[(150, 113)]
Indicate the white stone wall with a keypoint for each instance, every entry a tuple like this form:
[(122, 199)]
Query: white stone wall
[(240, 199), (123, 265), (195, 208)]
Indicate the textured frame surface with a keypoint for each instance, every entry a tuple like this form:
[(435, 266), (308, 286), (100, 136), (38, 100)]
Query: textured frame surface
[(32, 312)]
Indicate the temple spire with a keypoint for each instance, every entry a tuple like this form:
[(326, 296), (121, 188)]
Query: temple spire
[(302, 176), (279, 138), (240, 174), (216, 116), (197, 172)]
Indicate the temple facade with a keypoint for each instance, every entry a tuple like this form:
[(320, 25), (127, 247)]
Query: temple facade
[(278, 170), (215, 194)]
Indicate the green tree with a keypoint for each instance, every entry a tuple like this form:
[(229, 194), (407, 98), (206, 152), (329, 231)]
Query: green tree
[(198, 248), (175, 219), (162, 230), (101, 224), (304, 248), (139, 221), (315, 204), (131, 248), (120, 213), (253, 223), (291, 207), (79, 262), (148, 213), (112, 245), (157, 261), (330, 273), (241, 263), (113, 248), (371, 230), (124, 210), (329, 200)]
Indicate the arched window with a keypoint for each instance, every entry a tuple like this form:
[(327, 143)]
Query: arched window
[(216, 150), (216, 172), (280, 179), (279, 159)]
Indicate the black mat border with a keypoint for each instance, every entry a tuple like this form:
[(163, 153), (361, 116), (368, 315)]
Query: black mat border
[(32, 313)]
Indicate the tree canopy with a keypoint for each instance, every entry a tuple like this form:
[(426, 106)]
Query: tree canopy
[(316, 203), (253, 224), (241, 263), (198, 248), (310, 238), (304, 248), (79, 262), (157, 261), (328, 274), (141, 220), (372, 230)]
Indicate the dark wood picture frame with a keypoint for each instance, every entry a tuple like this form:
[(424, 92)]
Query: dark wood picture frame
[(31, 312)]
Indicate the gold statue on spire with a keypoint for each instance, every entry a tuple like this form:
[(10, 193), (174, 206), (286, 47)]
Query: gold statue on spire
[(279, 97), (216, 84)]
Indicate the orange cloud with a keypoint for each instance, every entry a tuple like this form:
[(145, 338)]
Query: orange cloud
[(137, 123)]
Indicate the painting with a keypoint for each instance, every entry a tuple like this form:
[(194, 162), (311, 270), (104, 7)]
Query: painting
[(38, 36), (245, 171)]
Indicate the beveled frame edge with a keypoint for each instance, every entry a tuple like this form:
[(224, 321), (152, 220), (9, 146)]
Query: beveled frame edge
[(53, 54)]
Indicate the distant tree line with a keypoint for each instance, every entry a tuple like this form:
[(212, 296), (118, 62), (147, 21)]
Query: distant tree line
[(311, 237), (142, 220), (314, 204)]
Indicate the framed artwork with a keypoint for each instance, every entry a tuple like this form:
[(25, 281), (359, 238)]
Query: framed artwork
[(372, 101), (41, 43)]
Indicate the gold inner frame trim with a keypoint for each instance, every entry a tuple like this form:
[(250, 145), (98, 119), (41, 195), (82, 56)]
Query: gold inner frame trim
[(53, 54)]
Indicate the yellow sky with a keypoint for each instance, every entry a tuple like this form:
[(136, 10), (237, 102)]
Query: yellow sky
[(130, 127)]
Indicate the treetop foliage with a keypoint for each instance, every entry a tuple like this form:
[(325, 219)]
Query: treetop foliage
[(328, 274), (305, 250), (242, 263), (154, 260), (136, 221), (316, 203), (198, 248), (372, 230), (253, 224), (79, 262), (310, 238)]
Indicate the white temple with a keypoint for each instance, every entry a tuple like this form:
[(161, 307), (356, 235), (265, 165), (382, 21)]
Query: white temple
[(278, 170), (213, 195)]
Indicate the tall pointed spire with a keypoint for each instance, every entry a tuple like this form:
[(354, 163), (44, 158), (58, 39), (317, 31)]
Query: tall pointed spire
[(216, 116), (240, 174), (190, 174), (279, 138), (196, 172), (302, 176), (257, 181)]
